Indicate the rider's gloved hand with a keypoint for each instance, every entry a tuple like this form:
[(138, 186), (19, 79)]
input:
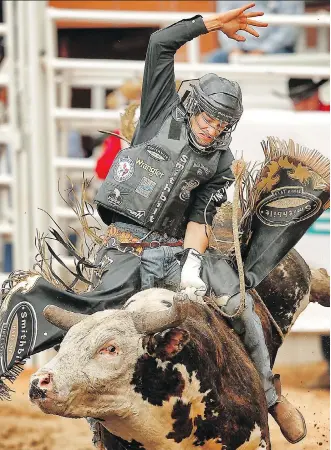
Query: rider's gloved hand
[(190, 281)]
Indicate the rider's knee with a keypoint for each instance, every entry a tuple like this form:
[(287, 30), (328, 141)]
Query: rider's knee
[(233, 304)]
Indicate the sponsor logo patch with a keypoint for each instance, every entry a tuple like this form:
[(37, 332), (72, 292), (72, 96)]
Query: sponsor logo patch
[(124, 169), (179, 167), (186, 189), (287, 205), (137, 214), (152, 171), (157, 153), (201, 169), (115, 197), (218, 196), (18, 335), (145, 187)]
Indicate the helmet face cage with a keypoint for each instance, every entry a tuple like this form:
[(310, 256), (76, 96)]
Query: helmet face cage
[(194, 108), (198, 147)]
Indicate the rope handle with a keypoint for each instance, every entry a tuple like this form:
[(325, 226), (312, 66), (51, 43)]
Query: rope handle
[(238, 169)]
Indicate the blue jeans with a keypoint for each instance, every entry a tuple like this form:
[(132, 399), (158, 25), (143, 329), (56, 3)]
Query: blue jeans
[(248, 326), (158, 266)]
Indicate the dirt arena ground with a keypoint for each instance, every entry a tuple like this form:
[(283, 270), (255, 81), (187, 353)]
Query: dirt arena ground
[(24, 427)]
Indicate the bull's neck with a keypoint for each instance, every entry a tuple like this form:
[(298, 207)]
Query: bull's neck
[(148, 431)]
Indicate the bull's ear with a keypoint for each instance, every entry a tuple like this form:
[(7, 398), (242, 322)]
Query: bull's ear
[(167, 344)]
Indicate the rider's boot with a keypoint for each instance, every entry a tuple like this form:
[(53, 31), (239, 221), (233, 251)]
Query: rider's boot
[(290, 420)]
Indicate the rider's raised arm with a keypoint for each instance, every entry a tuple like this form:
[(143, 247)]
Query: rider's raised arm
[(159, 89)]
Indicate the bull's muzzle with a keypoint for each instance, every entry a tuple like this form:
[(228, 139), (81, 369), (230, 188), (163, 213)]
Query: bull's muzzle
[(40, 385)]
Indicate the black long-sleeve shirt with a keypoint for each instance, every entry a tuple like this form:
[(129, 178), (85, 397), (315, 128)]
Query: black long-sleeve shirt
[(159, 96)]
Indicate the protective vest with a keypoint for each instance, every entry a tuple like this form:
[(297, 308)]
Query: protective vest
[(152, 182)]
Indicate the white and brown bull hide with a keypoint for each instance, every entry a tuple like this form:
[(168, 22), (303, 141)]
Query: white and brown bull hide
[(162, 374)]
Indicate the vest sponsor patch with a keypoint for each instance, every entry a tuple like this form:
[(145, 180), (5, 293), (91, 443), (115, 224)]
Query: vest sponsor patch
[(186, 189), (219, 195), (157, 153), (145, 187), (137, 214), (115, 197), (179, 167), (201, 169), (124, 169), (151, 170)]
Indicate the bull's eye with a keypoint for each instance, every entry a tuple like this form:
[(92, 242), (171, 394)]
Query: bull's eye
[(109, 350)]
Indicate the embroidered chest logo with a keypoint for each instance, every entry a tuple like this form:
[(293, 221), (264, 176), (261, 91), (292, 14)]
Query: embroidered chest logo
[(157, 153), (152, 171), (124, 169), (186, 189), (201, 169)]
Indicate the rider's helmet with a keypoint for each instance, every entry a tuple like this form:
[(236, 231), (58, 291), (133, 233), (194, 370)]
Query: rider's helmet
[(220, 99)]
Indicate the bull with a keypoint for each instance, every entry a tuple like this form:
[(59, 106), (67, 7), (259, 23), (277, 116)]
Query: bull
[(166, 373)]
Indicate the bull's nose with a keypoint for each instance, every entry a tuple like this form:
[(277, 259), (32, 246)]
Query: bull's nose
[(40, 384)]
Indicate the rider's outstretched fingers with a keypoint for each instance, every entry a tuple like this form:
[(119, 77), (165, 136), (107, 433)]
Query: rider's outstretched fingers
[(254, 14), (245, 7), (256, 23), (251, 30), (238, 38)]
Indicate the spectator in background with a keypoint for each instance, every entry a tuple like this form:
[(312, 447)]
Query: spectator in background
[(128, 93), (110, 147), (304, 93), (273, 39)]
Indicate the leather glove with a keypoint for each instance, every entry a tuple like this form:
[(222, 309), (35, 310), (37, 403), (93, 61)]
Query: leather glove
[(190, 281)]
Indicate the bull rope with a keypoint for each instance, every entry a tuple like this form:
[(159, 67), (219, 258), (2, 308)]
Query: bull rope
[(238, 169)]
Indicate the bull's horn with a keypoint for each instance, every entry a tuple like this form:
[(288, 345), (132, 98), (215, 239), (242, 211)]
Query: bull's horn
[(156, 321), (62, 318)]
